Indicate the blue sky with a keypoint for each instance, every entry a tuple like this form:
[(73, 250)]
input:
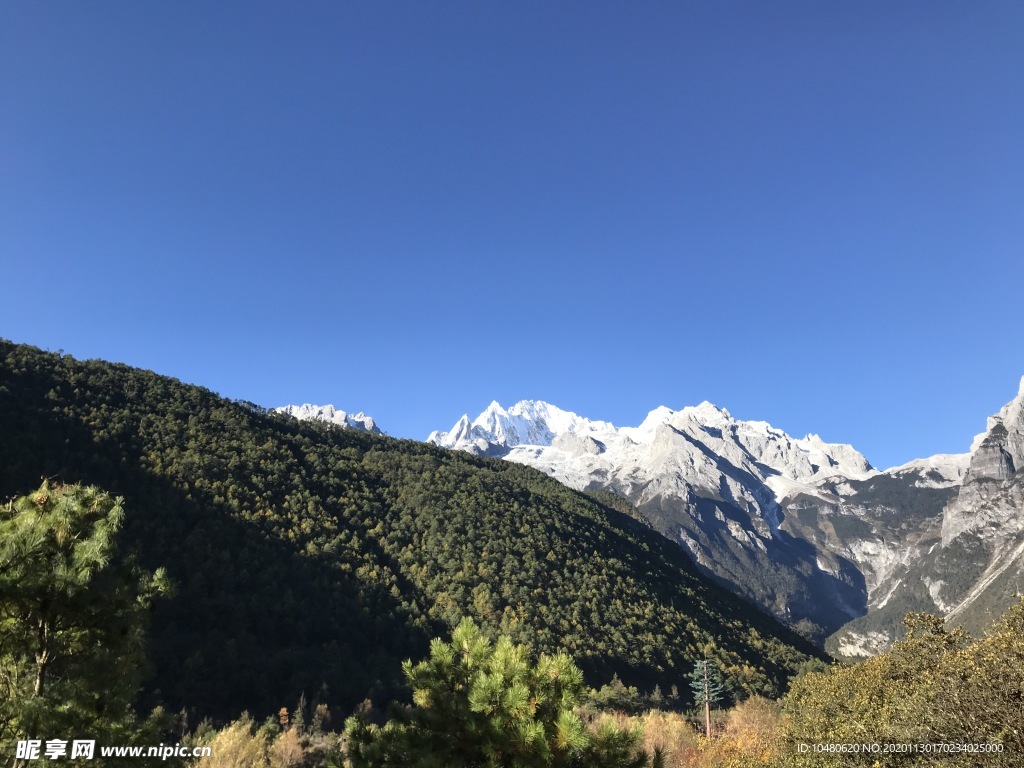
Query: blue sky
[(809, 213)]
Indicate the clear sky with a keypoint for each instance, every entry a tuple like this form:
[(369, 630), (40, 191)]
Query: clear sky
[(809, 213)]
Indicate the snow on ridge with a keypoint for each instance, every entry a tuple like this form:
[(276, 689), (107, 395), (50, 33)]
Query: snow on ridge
[(938, 461), (667, 442), (332, 415), (708, 412), (527, 423), (950, 468)]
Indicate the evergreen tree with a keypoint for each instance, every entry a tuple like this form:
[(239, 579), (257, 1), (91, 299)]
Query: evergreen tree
[(708, 688), (71, 616), (487, 705)]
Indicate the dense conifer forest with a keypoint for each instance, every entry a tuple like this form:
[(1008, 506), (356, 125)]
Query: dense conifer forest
[(310, 561), (177, 566)]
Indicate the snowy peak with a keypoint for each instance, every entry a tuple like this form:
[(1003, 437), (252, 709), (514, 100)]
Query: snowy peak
[(708, 413), (332, 415), (834, 458), (656, 418), (678, 442), (493, 418), (529, 422)]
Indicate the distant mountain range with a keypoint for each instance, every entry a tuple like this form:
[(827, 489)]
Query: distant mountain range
[(809, 530), (332, 415)]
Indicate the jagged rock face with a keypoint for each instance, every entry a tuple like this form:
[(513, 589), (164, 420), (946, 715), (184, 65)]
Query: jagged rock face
[(969, 563), (332, 415), (997, 456), (882, 527), (993, 461)]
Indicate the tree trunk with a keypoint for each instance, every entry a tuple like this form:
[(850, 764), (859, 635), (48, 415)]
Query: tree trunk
[(707, 703), (42, 657)]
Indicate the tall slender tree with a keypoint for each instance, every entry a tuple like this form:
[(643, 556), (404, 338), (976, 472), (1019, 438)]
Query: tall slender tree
[(708, 688)]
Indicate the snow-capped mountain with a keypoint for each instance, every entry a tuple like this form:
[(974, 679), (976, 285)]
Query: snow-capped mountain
[(332, 415), (572, 447), (528, 422), (703, 478), (805, 528)]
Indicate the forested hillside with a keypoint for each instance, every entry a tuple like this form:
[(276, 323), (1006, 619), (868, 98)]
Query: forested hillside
[(311, 559)]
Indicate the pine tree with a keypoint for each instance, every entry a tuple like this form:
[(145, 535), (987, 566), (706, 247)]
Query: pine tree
[(71, 615), (477, 703), (708, 688)]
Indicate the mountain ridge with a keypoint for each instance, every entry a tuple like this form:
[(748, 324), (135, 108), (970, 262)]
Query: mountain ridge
[(749, 502), (331, 415), (309, 558)]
